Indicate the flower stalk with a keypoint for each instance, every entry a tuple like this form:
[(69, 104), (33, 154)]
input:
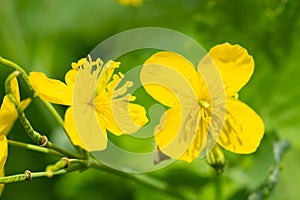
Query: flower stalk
[(24, 121), (17, 68)]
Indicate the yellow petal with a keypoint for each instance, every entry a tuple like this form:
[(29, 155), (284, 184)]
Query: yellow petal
[(71, 129), (166, 76), (121, 117), (51, 90), (84, 129), (243, 128), (8, 116), (179, 135), (15, 88), (24, 103), (3, 156), (3, 150), (1, 185), (235, 65), (70, 77)]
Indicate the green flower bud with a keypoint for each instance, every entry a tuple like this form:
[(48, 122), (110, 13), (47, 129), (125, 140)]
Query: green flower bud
[(216, 159)]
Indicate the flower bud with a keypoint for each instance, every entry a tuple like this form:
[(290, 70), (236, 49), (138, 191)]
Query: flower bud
[(216, 159)]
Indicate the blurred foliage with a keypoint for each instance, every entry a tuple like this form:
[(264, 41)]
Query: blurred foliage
[(48, 35)]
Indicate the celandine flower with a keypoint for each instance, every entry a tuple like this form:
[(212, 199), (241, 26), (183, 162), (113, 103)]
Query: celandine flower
[(96, 102), (186, 128), (8, 116)]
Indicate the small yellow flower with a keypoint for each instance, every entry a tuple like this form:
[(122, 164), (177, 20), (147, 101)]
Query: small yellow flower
[(96, 102), (185, 128), (8, 116), (134, 3)]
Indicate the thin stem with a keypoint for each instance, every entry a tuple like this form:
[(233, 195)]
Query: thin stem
[(25, 176), (34, 148), (18, 68), (64, 152), (53, 112), (24, 121), (13, 178), (140, 178), (218, 192)]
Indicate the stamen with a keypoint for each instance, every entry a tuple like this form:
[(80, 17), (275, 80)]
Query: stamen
[(123, 89)]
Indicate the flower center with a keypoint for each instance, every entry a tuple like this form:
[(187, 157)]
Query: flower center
[(204, 103)]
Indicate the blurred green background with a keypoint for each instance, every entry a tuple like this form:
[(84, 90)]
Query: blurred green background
[(48, 35)]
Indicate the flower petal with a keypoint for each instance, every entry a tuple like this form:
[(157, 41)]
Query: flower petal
[(84, 129), (51, 90), (3, 150), (70, 77), (8, 116), (166, 75), (235, 65), (1, 185), (179, 135), (15, 88), (243, 128), (122, 117), (24, 103), (3, 156)]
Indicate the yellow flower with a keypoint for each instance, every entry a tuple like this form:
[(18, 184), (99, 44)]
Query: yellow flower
[(134, 3), (8, 116), (187, 128), (96, 102)]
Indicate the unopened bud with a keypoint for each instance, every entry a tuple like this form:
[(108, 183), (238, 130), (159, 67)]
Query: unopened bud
[(216, 158)]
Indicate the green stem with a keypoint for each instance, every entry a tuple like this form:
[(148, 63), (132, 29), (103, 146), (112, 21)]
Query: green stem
[(140, 178), (13, 178), (24, 177), (18, 68), (34, 148), (54, 112), (218, 192), (83, 164), (24, 121), (64, 152)]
